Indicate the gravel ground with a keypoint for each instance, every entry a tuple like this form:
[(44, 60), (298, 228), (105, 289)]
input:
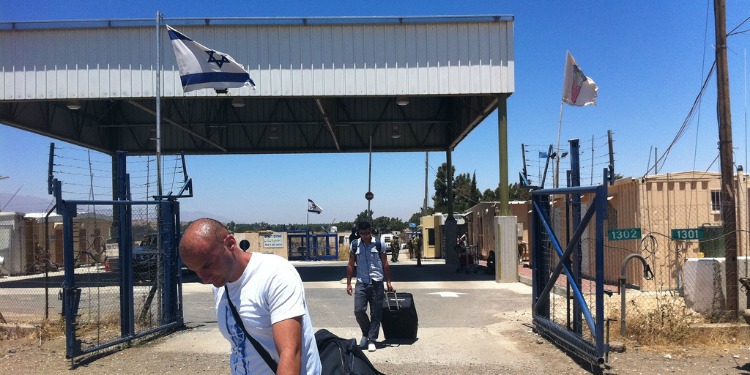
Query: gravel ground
[(502, 341), (516, 350)]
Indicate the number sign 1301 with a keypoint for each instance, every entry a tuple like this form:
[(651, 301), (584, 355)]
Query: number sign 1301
[(687, 234)]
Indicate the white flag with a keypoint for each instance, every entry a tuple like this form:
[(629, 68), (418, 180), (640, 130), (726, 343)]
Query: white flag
[(205, 68), (312, 207), (578, 90)]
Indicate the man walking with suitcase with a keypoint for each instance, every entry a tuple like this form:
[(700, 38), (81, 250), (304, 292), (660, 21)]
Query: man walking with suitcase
[(370, 261)]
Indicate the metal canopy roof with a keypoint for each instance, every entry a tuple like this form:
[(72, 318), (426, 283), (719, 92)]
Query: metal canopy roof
[(324, 85)]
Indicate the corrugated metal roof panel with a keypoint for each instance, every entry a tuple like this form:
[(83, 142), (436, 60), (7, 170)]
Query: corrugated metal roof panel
[(430, 58)]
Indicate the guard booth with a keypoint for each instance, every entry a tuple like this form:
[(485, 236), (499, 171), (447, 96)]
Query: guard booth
[(304, 245)]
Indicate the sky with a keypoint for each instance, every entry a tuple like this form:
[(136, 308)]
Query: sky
[(649, 60)]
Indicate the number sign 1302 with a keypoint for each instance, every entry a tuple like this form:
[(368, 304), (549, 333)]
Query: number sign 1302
[(624, 234)]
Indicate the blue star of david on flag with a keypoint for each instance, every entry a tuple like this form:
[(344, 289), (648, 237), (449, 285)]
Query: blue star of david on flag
[(212, 58), (206, 68)]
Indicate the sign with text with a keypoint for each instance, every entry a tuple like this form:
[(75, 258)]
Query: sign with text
[(273, 240), (624, 234), (687, 234)]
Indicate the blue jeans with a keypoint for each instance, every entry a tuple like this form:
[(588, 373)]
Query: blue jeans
[(371, 294)]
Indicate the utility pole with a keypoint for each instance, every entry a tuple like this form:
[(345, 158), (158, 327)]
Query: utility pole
[(611, 158), (523, 157), (426, 166), (728, 207)]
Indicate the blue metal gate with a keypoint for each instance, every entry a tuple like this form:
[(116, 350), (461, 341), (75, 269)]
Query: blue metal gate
[(567, 331), (303, 245), (104, 308)]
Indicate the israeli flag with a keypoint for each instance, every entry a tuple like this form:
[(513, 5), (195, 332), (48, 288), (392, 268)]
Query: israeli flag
[(312, 207), (205, 68)]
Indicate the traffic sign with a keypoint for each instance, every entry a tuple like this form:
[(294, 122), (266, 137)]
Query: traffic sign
[(369, 195), (624, 234)]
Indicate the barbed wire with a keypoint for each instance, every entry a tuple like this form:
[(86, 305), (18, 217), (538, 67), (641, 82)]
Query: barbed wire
[(587, 163), (87, 174)]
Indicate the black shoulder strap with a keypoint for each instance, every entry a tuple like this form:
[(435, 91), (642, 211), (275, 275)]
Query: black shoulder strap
[(258, 347), (378, 245)]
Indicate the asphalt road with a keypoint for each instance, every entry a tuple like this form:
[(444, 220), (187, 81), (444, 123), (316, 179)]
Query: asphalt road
[(468, 324), (442, 296), (464, 319)]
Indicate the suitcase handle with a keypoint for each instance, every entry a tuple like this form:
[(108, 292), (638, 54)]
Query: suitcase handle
[(388, 301)]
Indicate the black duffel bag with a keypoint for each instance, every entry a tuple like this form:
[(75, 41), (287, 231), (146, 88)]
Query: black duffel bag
[(342, 356)]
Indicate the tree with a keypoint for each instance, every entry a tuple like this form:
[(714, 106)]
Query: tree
[(440, 199), (489, 196), (465, 191), (462, 193), (344, 226), (385, 224), (365, 215), (517, 192), (417, 215), (476, 196)]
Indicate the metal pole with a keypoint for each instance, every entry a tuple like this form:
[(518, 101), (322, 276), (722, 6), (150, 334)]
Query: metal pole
[(724, 115), (577, 256), (591, 183), (611, 177), (158, 103), (523, 157), (557, 152), (502, 131), (369, 181), (426, 166), (623, 282), (449, 181), (546, 165)]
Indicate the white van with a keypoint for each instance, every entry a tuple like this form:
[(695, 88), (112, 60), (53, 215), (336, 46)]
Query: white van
[(387, 239)]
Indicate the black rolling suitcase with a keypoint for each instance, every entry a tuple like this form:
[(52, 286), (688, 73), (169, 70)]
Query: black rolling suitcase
[(400, 319)]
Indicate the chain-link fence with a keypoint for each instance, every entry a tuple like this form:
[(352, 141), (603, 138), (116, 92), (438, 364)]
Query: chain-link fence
[(684, 247), (32, 248), (31, 245)]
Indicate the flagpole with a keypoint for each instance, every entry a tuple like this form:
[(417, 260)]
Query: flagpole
[(158, 103), (557, 153), (369, 180)]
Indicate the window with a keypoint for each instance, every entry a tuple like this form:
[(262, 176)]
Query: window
[(715, 201)]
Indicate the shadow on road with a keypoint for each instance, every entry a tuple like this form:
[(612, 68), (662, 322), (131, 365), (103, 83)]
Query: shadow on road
[(399, 272), (314, 271)]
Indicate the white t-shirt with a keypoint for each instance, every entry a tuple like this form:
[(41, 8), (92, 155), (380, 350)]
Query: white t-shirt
[(269, 291)]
